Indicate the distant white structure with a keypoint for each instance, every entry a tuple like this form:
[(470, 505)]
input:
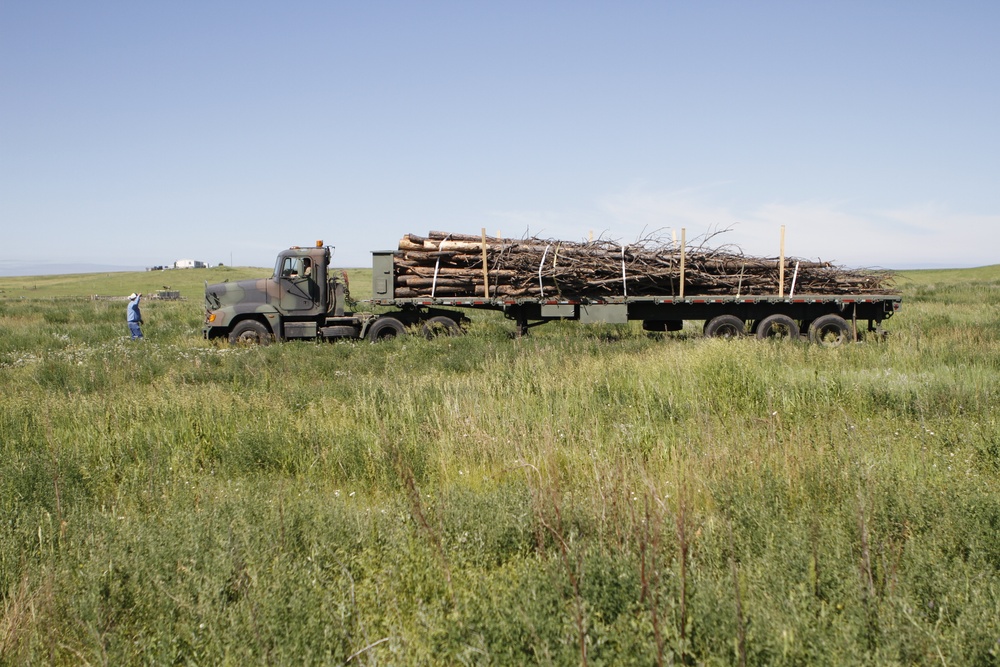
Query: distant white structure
[(189, 264)]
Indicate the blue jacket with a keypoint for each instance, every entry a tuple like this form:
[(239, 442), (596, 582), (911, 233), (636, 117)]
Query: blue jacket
[(133, 310)]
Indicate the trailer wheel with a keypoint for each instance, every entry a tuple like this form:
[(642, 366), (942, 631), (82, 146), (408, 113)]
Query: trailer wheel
[(780, 327), (830, 331), (250, 332), (725, 326), (384, 328), (440, 325)]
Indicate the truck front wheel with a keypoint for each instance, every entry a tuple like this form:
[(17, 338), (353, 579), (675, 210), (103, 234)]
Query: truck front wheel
[(250, 332), (384, 328)]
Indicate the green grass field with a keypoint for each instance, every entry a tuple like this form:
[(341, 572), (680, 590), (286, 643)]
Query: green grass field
[(583, 495)]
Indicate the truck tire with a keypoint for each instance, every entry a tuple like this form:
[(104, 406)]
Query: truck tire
[(725, 326), (250, 332), (830, 331), (779, 327), (385, 328), (439, 325)]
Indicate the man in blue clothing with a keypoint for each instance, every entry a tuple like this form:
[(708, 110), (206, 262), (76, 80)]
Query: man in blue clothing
[(134, 316)]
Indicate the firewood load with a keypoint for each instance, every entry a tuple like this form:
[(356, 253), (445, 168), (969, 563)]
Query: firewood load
[(451, 265)]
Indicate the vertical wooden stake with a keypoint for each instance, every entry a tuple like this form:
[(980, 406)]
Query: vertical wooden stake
[(486, 268), (683, 256), (781, 267)]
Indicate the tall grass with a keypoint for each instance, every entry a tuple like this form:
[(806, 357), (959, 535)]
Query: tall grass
[(578, 496)]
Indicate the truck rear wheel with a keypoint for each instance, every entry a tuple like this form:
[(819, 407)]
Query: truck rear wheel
[(725, 326), (439, 325), (780, 327), (384, 328), (830, 331), (250, 332)]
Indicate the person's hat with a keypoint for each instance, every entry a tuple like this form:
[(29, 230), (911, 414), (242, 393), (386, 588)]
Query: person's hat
[(132, 296)]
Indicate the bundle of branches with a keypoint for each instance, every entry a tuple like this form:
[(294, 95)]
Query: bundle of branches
[(447, 264)]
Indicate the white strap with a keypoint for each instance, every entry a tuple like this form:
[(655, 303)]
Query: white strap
[(437, 266), (541, 288)]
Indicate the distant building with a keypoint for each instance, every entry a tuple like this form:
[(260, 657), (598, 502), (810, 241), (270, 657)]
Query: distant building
[(189, 264)]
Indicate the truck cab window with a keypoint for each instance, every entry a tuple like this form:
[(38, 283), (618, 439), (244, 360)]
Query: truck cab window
[(292, 267)]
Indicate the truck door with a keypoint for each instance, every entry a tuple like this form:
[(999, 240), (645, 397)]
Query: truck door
[(297, 280)]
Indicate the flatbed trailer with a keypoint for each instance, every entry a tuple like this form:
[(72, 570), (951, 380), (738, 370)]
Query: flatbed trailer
[(306, 299), (667, 313), (532, 312)]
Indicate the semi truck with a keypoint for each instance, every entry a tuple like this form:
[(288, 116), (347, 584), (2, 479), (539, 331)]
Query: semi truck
[(306, 298)]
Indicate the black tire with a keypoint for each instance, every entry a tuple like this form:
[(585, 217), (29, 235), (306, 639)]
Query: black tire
[(385, 328), (250, 332), (778, 327), (725, 326), (441, 325), (830, 331)]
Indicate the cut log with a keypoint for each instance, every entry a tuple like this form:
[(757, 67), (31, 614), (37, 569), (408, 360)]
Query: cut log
[(603, 268)]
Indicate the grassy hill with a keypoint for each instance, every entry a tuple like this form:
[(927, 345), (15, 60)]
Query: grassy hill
[(982, 274), (189, 282), (591, 495)]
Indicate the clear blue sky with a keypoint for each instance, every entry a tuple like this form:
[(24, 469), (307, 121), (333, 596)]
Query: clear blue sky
[(138, 133)]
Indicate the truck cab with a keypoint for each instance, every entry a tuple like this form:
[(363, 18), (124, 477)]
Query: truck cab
[(300, 299)]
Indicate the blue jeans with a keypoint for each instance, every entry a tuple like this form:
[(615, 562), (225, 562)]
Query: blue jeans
[(136, 331)]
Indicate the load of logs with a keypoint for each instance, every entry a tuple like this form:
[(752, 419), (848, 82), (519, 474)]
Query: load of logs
[(448, 265)]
